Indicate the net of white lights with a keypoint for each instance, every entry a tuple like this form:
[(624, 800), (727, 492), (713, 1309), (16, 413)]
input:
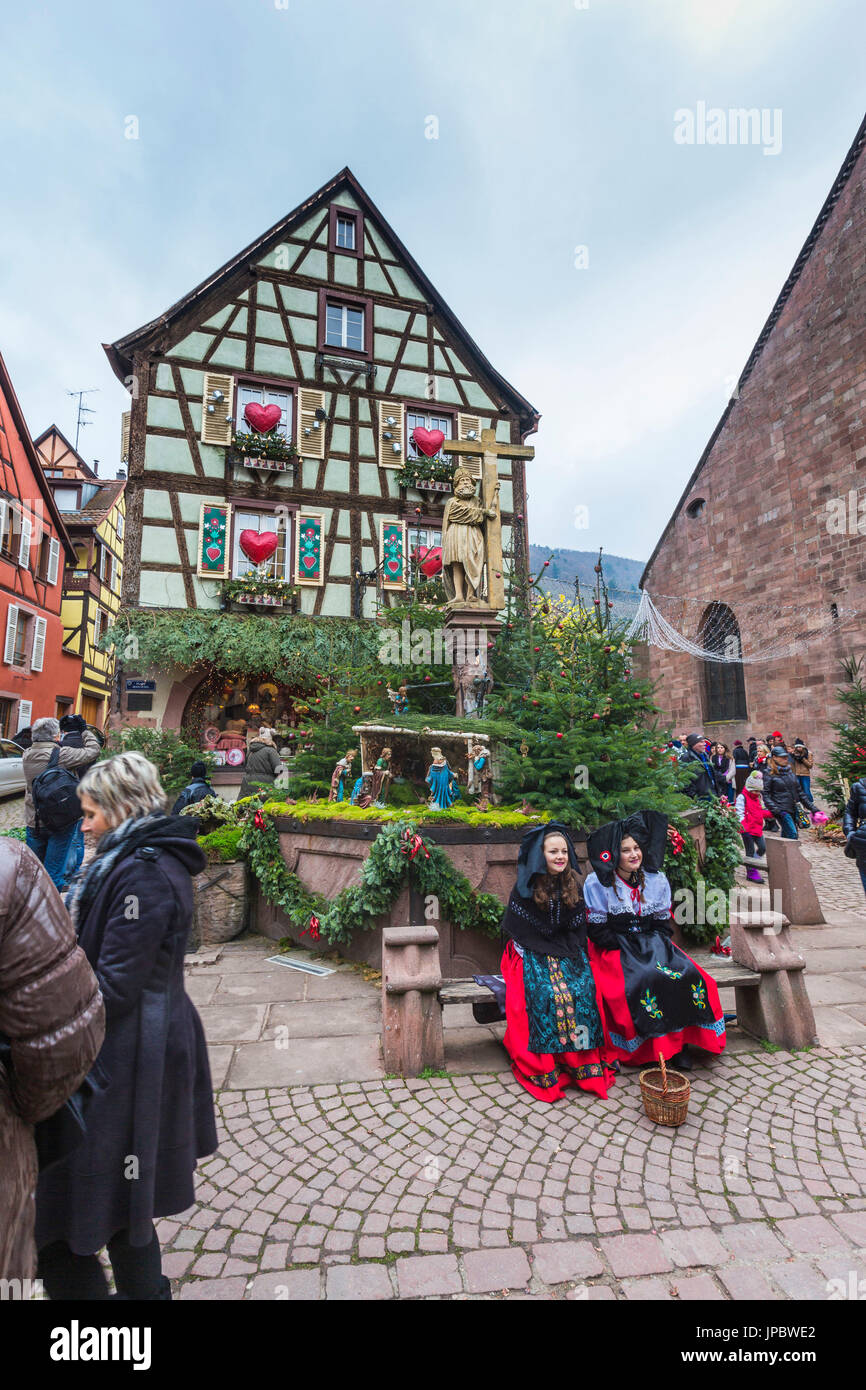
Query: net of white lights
[(758, 632)]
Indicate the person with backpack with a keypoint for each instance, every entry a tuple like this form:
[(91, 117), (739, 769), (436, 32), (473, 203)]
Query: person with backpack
[(52, 810), (196, 789), (783, 793)]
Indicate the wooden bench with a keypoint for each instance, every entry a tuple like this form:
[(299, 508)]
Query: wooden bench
[(726, 973)]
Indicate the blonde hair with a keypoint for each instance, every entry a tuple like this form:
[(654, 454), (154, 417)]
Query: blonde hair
[(124, 787)]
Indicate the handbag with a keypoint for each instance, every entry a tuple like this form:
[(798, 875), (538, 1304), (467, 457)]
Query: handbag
[(62, 1133)]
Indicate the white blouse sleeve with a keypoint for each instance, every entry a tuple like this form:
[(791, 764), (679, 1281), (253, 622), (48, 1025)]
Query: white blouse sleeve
[(595, 897), (661, 898)]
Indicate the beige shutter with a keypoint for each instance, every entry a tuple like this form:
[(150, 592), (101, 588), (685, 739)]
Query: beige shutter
[(216, 407), (11, 626), (391, 434), (53, 560), (24, 547), (37, 657), (466, 423), (125, 419), (311, 432)]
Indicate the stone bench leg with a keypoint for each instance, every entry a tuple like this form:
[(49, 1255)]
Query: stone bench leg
[(778, 1007), (791, 882), (412, 1036)]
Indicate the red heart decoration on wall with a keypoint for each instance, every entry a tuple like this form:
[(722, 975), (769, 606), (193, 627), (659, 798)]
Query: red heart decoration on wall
[(393, 566), (428, 441), (262, 418), (431, 564), (213, 553), (308, 562), (258, 545)]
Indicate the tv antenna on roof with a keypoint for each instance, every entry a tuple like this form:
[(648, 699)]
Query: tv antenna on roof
[(82, 410)]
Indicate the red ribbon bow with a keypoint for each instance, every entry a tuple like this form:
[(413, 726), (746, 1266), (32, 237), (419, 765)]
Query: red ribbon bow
[(413, 844), (259, 821), (718, 949), (313, 929), (676, 840)]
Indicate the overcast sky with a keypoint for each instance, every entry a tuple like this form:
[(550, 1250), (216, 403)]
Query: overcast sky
[(556, 131)]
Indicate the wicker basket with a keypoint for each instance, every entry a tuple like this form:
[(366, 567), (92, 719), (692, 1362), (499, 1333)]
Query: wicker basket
[(665, 1094)]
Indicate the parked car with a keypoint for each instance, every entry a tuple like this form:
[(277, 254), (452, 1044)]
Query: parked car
[(11, 767)]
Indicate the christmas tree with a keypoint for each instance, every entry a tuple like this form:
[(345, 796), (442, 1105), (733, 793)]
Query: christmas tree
[(589, 746), (846, 761)]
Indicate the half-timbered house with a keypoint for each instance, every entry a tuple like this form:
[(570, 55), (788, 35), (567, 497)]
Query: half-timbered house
[(327, 333), (37, 678), (93, 513)]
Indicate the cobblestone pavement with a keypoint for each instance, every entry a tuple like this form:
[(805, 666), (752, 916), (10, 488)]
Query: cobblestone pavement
[(836, 879), (11, 812), (466, 1186)]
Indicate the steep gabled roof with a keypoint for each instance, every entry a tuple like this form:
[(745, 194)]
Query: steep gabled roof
[(79, 461), (839, 185), (8, 391), (120, 352)]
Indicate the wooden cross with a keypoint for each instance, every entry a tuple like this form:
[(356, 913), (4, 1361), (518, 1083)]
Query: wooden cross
[(489, 450)]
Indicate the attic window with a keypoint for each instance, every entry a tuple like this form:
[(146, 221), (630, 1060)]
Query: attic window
[(696, 508), (345, 231)]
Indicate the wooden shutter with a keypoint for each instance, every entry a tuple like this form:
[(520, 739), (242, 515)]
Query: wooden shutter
[(24, 547), (25, 714), (112, 571), (391, 434), (4, 511), (312, 445), (37, 656), (310, 548), (215, 428), (392, 548), (53, 560), (11, 626), (471, 462), (214, 553), (125, 420)]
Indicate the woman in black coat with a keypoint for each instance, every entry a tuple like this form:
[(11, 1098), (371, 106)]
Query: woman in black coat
[(146, 1130)]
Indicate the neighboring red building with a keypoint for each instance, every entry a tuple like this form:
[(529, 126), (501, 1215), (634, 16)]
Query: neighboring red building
[(770, 533), (37, 678)]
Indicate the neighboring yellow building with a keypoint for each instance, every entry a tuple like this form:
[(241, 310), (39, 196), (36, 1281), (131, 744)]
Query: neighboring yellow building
[(93, 512)]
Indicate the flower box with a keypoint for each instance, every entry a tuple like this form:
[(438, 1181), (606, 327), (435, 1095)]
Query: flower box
[(431, 485), (265, 464), (263, 600)]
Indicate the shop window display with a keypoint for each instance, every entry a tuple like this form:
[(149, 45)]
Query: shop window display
[(224, 712)]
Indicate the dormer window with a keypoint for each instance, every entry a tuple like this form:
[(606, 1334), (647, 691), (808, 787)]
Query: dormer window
[(345, 231), (696, 508)]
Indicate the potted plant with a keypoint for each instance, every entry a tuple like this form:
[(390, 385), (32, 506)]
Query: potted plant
[(266, 450)]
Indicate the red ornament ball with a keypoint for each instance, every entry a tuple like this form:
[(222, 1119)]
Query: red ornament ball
[(596, 716), (546, 563), (608, 649), (536, 649), (535, 702), (635, 694), (426, 678), (357, 709), (559, 735)]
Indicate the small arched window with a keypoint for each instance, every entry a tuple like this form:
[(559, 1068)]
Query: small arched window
[(696, 508), (724, 681)]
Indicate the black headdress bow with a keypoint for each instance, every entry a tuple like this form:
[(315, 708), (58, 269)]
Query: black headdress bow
[(648, 828)]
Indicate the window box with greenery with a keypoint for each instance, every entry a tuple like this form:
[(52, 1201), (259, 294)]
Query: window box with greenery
[(270, 451), (427, 474), (260, 590)]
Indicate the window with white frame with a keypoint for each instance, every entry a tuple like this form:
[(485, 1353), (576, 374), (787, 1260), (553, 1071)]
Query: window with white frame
[(344, 327), (345, 232), (419, 419), (250, 394), (278, 564), (421, 540)]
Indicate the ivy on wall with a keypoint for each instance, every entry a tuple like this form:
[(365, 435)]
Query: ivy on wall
[(397, 851)]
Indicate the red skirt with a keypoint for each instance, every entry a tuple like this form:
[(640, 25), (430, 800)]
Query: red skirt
[(619, 1025), (547, 1075)]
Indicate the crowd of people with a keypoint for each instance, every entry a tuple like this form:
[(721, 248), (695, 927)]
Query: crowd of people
[(106, 1104)]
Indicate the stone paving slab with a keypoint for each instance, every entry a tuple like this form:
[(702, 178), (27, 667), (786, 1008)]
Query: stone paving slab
[(465, 1187), (326, 1018), (329, 1059)]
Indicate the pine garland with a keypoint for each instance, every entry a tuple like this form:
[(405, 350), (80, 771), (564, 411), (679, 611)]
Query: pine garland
[(397, 851)]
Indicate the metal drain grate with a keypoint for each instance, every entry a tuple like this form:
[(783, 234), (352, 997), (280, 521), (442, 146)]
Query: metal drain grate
[(306, 967)]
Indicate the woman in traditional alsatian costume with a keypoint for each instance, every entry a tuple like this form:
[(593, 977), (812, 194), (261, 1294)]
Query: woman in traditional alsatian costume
[(554, 1032), (655, 998)]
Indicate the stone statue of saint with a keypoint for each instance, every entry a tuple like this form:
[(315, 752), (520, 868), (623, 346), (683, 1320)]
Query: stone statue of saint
[(463, 548)]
